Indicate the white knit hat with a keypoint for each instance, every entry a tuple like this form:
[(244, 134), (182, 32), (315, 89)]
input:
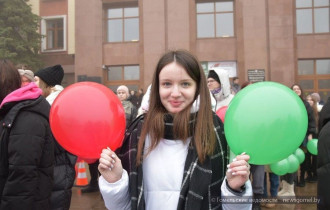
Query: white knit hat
[(123, 88), (27, 73)]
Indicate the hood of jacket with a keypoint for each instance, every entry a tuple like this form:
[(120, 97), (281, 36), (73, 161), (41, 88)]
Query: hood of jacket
[(56, 90), (30, 91), (224, 80), (25, 98)]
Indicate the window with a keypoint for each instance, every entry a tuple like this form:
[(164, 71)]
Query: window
[(116, 73), (119, 75), (312, 16), (314, 76), (215, 19), (53, 29), (123, 24)]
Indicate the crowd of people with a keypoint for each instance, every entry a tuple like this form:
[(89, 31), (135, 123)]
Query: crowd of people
[(174, 154)]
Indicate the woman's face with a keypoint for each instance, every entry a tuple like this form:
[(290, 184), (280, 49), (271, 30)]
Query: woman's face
[(310, 101), (176, 88), (25, 80), (36, 78), (297, 90), (212, 84), (122, 95)]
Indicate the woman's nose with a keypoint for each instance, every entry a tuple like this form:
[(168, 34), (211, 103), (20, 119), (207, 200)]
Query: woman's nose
[(176, 91)]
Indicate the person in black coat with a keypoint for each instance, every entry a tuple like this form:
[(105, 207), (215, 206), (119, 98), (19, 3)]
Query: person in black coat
[(311, 131), (133, 98), (49, 79), (288, 179), (27, 144), (323, 158), (140, 97)]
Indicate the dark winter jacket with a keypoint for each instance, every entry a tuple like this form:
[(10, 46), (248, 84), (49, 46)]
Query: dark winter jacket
[(27, 154), (64, 176), (64, 170), (134, 100), (323, 158), (311, 129)]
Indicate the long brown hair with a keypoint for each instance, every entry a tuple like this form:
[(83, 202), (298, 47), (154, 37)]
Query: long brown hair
[(315, 111), (10, 79), (46, 89), (204, 136), (301, 90)]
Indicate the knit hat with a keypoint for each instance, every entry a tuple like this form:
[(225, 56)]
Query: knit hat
[(51, 75), (123, 88), (214, 76), (27, 73)]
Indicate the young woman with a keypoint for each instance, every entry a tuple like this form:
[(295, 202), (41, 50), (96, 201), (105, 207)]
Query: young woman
[(27, 76), (311, 171), (129, 107), (27, 144), (288, 179), (176, 155), (219, 86)]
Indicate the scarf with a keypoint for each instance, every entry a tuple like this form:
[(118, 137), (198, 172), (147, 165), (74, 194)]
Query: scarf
[(168, 121), (30, 91), (201, 182), (216, 91), (127, 106)]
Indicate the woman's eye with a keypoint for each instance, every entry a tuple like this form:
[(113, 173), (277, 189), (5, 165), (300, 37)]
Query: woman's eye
[(166, 84), (185, 84)]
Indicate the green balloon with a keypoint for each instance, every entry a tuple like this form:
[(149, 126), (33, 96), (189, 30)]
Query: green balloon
[(293, 163), (267, 120), (300, 155), (280, 168), (312, 146)]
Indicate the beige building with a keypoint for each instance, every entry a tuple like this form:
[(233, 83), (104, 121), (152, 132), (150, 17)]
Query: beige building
[(118, 42)]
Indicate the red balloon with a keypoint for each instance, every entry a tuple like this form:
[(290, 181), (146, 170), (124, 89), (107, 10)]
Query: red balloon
[(87, 117), (221, 112)]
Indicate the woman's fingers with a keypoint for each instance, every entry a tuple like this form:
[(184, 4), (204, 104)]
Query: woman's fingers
[(242, 156), (239, 170), (110, 166), (108, 159), (239, 166), (103, 166)]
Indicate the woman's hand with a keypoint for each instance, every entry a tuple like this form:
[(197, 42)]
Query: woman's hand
[(110, 166), (309, 137), (238, 171)]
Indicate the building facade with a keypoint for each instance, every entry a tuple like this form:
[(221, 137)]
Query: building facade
[(117, 42), (58, 28)]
